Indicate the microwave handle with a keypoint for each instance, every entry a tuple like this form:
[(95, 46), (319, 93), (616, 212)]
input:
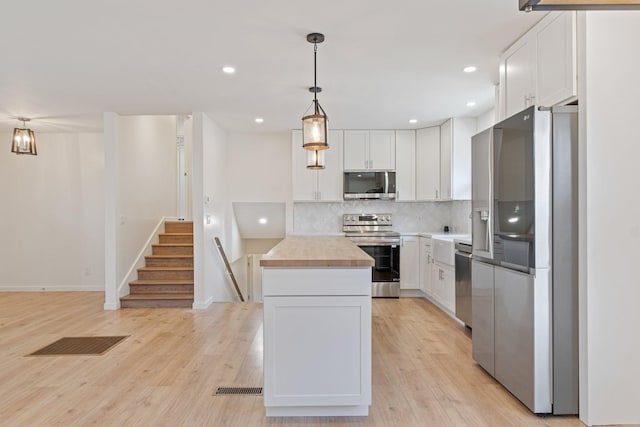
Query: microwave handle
[(386, 182)]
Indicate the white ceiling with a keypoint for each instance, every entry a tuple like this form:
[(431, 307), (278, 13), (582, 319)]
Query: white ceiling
[(383, 62)]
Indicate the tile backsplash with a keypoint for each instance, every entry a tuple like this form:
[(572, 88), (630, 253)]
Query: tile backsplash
[(326, 218)]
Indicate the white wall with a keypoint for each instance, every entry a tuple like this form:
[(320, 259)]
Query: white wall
[(485, 120), (211, 210), (147, 185), (610, 212), (259, 169), (52, 214), (259, 166)]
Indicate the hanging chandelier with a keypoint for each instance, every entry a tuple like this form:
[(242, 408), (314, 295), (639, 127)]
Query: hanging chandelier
[(315, 125), (24, 140)]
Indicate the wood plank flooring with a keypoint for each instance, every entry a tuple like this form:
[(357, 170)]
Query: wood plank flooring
[(165, 373)]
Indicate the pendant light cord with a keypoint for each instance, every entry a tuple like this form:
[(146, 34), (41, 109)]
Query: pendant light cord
[(315, 79)]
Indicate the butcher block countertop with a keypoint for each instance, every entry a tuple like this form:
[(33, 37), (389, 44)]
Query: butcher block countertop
[(314, 251)]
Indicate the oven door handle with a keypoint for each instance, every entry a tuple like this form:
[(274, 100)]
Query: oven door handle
[(393, 244)]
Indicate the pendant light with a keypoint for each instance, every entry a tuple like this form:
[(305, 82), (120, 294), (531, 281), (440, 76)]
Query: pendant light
[(315, 159), (530, 5), (24, 140), (315, 125)]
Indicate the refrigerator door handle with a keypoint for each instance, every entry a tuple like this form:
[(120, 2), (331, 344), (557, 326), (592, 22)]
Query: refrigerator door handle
[(490, 213)]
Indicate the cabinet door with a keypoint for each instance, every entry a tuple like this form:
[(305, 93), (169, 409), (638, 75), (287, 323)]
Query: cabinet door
[(556, 59), (462, 131), (305, 181), (382, 149), (446, 147), (519, 80), (405, 165), (330, 178), (448, 289), (410, 263), (426, 261), (356, 145), (428, 163), (317, 351)]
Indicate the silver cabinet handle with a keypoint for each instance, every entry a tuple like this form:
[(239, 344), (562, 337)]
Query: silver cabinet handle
[(319, 195)]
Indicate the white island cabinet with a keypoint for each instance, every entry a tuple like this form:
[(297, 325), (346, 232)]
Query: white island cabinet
[(317, 328)]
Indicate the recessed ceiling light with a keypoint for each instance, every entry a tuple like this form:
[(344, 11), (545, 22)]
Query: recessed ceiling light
[(469, 69), (471, 104), (413, 121), (262, 220), (228, 70), (259, 120)]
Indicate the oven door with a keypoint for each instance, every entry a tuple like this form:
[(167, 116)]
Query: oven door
[(385, 274)]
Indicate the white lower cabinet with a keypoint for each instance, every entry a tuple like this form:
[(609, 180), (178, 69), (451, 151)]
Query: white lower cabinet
[(317, 344), (410, 262), (321, 325), (445, 286)]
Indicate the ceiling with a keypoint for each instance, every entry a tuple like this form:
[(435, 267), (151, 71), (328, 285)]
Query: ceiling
[(382, 63)]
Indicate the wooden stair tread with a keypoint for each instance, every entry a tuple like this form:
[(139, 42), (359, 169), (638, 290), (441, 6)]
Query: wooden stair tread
[(170, 256), (176, 234), (161, 282), (173, 244), (165, 268), (173, 296)]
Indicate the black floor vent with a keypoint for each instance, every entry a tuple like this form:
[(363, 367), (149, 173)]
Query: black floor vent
[(238, 391)]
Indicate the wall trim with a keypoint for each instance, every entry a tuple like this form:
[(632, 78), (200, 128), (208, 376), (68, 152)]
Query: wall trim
[(202, 305), (111, 306), (52, 288)]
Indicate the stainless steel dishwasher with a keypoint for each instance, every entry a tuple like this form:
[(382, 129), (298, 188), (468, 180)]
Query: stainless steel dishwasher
[(463, 282)]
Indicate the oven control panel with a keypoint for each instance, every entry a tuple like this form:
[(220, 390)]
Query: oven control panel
[(366, 219)]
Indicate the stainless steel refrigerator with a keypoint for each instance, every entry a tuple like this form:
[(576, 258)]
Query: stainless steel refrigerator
[(524, 257)]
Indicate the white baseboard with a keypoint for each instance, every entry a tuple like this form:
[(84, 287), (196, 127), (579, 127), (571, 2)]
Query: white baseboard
[(197, 305), (412, 293), (51, 288), (112, 306)]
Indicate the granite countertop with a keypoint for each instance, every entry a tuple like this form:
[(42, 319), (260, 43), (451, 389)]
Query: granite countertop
[(316, 251)]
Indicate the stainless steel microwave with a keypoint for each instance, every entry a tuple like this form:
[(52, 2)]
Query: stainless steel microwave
[(370, 185)]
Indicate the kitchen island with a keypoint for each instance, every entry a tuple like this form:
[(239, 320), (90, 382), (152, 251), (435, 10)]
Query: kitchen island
[(317, 328)]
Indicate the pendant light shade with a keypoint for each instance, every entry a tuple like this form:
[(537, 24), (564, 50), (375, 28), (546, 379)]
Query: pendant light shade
[(315, 126), (315, 159), (24, 140)]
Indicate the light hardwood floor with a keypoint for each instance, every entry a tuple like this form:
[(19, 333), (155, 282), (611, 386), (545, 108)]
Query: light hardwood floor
[(164, 374)]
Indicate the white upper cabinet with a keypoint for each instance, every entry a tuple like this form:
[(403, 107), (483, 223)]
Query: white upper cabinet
[(557, 59), (374, 149), (382, 149), (356, 148), (446, 146), (428, 163), (517, 77), (405, 165), (540, 68), (455, 158), (317, 185)]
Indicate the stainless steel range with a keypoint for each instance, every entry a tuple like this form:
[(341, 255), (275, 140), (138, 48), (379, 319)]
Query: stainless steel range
[(373, 234)]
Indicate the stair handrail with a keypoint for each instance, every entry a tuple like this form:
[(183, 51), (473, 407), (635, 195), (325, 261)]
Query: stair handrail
[(227, 267)]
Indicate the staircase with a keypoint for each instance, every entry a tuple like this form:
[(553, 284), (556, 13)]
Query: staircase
[(166, 280)]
